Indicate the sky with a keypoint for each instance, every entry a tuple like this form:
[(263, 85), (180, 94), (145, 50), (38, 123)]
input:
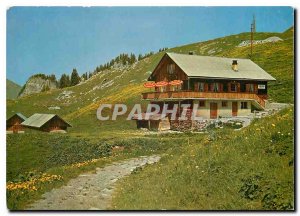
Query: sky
[(54, 40)]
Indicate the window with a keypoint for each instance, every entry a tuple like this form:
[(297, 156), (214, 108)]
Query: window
[(201, 87), (171, 72), (175, 88), (233, 87), (202, 103), (224, 103), (244, 105), (225, 89), (251, 88), (171, 68), (216, 87), (243, 87)]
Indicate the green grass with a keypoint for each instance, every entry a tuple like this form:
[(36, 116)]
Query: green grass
[(250, 169), (34, 153)]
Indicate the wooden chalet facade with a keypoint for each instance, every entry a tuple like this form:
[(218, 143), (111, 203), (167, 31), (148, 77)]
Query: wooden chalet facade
[(46, 123), (222, 87), (13, 124)]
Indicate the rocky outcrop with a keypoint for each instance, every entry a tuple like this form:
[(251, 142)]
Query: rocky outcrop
[(37, 84), (273, 39)]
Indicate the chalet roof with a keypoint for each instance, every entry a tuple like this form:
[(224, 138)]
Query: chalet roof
[(37, 120), (219, 67), (19, 115)]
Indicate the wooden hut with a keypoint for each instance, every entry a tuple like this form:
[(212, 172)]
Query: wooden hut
[(13, 124), (46, 123)]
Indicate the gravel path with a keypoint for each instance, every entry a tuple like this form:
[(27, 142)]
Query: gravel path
[(91, 191)]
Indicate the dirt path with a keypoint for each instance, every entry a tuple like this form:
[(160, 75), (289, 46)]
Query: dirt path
[(91, 191)]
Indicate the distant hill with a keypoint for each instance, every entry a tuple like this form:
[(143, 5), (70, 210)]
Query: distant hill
[(12, 89)]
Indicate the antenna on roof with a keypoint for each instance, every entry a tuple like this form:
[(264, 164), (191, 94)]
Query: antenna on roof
[(254, 24), (253, 30)]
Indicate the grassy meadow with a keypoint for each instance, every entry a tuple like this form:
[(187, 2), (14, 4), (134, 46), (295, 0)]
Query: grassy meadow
[(61, 157), (247, 169)]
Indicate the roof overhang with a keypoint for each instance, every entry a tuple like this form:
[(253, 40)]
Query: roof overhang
[(226, 78)]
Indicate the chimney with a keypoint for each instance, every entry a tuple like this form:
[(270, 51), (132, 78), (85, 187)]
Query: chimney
[(235, 65)]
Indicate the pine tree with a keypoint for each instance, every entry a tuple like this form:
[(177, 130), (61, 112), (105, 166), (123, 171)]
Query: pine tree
[(84, 76), (97, 69), (68, 81), (140, 57), (75, 78), (64, 81), (132, 58), (52, 77)]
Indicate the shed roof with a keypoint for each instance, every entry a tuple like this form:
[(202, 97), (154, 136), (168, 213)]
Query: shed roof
[(37, 120), (219, 67), (19, 115)]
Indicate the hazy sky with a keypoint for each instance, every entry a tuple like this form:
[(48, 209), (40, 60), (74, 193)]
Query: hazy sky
[(58, 39)]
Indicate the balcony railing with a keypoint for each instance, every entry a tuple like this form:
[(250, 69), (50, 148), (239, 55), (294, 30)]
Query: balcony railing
[(173, 95)]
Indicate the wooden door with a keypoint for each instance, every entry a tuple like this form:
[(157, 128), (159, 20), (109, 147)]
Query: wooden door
[(213, 110), (234, 108)]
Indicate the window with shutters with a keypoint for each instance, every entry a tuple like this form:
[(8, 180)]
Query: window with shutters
[(233, 87), (216, 87)]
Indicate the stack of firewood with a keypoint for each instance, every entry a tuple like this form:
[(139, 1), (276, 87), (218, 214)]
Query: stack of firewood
[(181, 125), (200, 125)]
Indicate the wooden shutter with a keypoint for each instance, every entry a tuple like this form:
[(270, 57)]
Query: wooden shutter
[(206, 87), (247, 87), (255, 88), (211, 87), (196, 86), (238, 87)]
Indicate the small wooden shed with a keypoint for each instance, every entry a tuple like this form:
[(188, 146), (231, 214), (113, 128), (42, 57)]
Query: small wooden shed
[(13, 124), (46, 122)]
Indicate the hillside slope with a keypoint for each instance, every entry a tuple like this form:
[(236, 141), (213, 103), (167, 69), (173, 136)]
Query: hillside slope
[(78, 104), (251, 169), (12, 89)]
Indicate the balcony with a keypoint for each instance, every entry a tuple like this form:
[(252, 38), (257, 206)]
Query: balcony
[(181, 95)]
